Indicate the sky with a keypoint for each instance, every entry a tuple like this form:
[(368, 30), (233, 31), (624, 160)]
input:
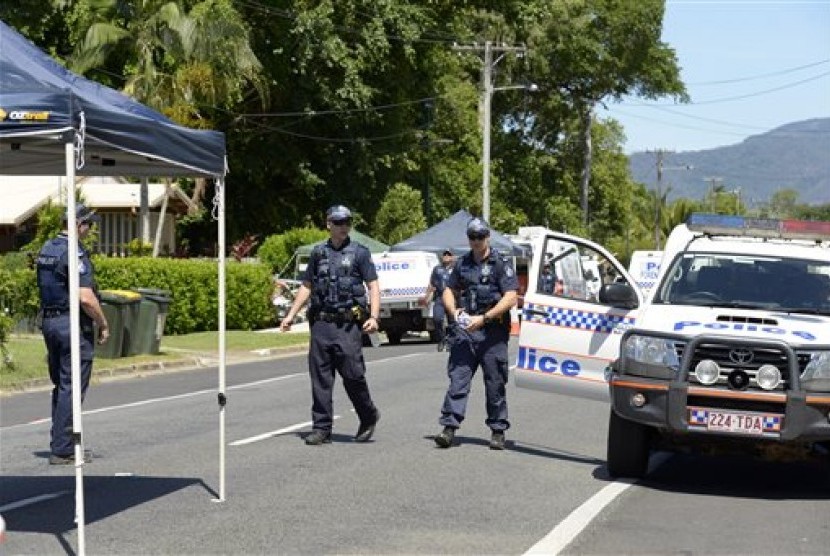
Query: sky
[(749, 66)]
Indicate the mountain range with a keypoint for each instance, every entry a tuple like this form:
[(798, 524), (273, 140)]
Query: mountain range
[(794, 156)]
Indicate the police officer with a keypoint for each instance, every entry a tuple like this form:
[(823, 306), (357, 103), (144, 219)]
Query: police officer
[(437, 283), (481, 291), (53, 285), (549, 282), (336, 279)]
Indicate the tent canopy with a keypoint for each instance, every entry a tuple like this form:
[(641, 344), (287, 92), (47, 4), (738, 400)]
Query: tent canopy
[(452, 234), (42, 104), (371, 244)]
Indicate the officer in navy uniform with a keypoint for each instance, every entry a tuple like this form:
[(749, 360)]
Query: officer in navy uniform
[(53, 284), (337, 277), (437, 283), (481, 291)]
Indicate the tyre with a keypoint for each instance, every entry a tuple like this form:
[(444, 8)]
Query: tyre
[(394, 336), (628, 447)]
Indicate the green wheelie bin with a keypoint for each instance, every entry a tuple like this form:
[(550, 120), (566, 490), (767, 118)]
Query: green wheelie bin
[(152, 316), (121, 309)]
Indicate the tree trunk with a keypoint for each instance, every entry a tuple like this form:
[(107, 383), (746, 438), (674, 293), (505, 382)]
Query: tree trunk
[(587, 118)]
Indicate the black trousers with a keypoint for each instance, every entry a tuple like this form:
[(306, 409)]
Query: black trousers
[(337, 347)]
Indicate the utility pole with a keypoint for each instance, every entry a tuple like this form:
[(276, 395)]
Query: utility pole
[(487, 89), (714, 182), (660, 154)]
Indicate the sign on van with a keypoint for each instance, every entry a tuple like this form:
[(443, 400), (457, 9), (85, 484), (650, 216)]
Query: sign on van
[(645, 268)]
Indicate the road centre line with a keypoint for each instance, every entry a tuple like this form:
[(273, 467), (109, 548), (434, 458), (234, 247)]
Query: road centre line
[(32, 500), (567, 530), (211, 391), (267, 435)]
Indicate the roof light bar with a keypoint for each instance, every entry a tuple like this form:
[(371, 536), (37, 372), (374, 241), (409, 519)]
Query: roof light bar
[(724, 224)]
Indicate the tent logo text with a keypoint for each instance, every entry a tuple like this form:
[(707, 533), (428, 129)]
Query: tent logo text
[(25, 115)]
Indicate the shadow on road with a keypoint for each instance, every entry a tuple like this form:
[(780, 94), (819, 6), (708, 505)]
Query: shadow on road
[(104, 496)]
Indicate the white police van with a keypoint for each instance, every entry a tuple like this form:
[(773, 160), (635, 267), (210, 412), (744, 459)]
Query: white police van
[(403, 277), (730, 352)]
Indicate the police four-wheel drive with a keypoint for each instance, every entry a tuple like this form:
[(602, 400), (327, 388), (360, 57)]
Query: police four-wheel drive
[(730, 352)]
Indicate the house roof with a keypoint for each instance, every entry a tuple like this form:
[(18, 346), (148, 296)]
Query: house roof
[(28, 194)]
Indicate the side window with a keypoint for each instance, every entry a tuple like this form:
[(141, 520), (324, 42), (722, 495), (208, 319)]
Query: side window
[(573, 270)]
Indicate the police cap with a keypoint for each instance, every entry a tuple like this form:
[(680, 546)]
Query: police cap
[(338, 212), (477, 227), (83, 214)]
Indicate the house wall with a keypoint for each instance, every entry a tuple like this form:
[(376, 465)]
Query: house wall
[(118, 229)]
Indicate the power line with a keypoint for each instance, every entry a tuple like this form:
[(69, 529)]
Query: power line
[(761, 76)]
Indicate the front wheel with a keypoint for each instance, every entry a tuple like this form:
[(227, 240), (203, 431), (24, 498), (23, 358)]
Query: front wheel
[(629, 444)]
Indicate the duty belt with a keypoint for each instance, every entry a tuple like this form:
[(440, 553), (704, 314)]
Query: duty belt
[(51, 313), (336, 317)]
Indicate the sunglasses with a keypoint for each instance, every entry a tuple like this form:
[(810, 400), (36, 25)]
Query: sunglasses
[(476, 237), (344, 222)]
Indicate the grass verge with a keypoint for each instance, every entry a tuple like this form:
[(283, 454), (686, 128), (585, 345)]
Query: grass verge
[(28, 352)]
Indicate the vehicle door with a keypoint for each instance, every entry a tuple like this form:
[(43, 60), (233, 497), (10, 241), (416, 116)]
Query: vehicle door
[(568, 337)]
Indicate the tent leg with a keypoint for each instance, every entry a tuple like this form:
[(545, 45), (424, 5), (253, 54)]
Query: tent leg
[(220, 198), (75, 339)]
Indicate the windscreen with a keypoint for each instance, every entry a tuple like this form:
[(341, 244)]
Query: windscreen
[(746, 281)]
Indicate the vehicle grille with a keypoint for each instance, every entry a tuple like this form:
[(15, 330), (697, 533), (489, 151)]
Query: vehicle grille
[(720, 353)]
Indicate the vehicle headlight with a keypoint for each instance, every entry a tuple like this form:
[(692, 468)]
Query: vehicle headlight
[(769, 377), (707, 372), (652, 351), (818, 367)]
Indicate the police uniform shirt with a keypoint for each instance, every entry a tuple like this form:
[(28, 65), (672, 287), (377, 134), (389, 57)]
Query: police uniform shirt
[(362, 266), (53, 272), (440, 278), (487, 272)]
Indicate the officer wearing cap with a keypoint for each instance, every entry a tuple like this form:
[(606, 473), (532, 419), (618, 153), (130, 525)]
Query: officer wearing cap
[(437, 284), (480, 293), (342, 284), (53, 286)]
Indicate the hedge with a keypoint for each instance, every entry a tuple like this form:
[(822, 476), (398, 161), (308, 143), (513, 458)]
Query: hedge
[(193, 284)]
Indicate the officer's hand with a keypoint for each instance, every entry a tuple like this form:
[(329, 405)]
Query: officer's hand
[(423, 301), (476, 323), (103, 335), (371, 325), (286, 323)]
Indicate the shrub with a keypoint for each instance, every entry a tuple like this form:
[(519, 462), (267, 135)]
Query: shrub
[(276, 251), (193, 284)]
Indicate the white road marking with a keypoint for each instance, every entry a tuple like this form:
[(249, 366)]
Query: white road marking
[(32, 500), (211, 391), (563, 534), (267, 435)]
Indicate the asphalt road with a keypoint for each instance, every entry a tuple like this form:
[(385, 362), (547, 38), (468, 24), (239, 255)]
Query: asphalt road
[(152, 484)]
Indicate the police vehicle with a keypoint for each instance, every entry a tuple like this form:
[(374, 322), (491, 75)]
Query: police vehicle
[(730, 352), (404, 277)]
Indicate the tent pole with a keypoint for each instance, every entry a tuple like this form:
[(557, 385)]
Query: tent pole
[(75, 340), (220, 186)]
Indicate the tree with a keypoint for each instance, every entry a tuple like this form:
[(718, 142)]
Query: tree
[(400, 215)]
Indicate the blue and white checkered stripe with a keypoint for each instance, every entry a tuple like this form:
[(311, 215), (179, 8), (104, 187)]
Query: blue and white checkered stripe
[(772, 423), (580, 320), (698, 417), (402, 292)]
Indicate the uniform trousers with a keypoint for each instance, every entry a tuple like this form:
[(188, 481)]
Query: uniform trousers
[(485, 348), (56, 334), (337, 347), (438, 317)]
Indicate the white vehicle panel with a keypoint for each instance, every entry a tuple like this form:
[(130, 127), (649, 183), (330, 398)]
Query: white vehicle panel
[(567, 338)]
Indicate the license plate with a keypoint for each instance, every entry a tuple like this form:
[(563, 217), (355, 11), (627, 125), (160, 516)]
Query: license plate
[(735, 422)]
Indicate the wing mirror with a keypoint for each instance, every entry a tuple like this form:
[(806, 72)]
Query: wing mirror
[(619, 295)]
